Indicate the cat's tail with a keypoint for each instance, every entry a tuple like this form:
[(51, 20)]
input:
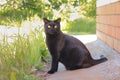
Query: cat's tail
[(102, 59)]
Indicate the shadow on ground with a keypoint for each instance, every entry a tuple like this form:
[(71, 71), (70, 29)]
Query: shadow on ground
[(109, 70)]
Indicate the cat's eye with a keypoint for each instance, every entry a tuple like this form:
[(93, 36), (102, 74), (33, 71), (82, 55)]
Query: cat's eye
[(55, 26), (49, 27)]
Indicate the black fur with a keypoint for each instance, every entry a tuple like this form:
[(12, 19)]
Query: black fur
[(66, 49)]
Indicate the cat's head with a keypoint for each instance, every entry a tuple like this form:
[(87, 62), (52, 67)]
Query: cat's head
[(52, 27)]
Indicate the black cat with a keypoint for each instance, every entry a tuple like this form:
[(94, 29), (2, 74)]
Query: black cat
[(66, 49)]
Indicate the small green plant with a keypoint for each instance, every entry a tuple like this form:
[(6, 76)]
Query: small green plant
[(19, 58), (81, 26)]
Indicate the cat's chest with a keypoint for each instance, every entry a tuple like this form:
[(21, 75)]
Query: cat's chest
[(56, 44), (51, 43)]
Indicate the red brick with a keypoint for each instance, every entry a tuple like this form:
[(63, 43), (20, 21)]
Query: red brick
[(117, 45), (101, 27), (104, 19), (107, 29), (117, 8), (113, 8), (118, 33), (106, 38), (98, 26), (108, 24), (108, 9), (101, 35), (113, 32), (118, 21), (98, 33), (97, 18), (115, 20), (98, 11), (110, 41)]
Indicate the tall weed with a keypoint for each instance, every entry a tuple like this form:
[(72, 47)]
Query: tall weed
[(19, 58)]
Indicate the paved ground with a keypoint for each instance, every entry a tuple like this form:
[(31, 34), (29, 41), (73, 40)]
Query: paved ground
[(109, 70)]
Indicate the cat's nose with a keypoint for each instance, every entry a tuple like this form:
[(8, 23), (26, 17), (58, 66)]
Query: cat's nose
[(54, 31)]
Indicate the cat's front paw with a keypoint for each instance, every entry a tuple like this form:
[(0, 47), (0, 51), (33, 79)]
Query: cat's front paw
[(51, 72)]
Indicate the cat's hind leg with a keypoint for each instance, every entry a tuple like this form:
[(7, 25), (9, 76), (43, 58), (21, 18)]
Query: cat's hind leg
[(75, 67), (80, 66), (86, 65)]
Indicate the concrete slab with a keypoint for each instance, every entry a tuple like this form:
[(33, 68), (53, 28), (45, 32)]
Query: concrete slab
[(109, 70), (105, 71)]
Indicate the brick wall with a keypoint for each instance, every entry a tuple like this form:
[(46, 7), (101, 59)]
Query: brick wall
[(108, 22)]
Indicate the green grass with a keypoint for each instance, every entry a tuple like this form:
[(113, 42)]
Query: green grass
[(81, 26), (18, 59)]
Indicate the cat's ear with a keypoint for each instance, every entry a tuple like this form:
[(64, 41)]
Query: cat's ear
[(58, 20), (45, 20)]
